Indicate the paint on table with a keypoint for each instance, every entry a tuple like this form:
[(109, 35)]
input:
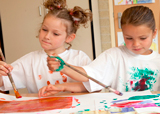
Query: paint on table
[(36, 105)]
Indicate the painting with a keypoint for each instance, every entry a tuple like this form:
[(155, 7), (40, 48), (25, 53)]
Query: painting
[(36, 105)]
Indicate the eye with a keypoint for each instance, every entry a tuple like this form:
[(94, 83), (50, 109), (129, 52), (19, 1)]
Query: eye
[(129, 38), (44, 29), (143, 38), (56, 34)]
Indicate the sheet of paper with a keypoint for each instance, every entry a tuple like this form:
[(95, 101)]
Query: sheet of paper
[(84, 104), (87, 102), (103, 103)]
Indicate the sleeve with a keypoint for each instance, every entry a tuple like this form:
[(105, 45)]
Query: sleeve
[(101, 69), (20, 67)]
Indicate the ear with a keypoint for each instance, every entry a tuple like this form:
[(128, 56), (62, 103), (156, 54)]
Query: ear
[(70, 38), (154, 33)]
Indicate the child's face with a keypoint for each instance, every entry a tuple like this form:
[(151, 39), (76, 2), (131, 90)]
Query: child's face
[(53, 35), (138, 39)]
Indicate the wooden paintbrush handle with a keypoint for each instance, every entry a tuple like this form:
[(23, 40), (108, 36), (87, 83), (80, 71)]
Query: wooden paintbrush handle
[(11, 80)]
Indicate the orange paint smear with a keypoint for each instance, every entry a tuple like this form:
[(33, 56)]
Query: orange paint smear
[(2, 99), (35, 105)]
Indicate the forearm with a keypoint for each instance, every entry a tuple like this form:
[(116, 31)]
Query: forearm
[(74, 87), (75, 75), (1, 81)]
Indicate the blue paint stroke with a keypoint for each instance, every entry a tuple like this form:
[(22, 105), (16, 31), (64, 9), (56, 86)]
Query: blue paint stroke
[(119, 101), (126, 109), (144, 102)]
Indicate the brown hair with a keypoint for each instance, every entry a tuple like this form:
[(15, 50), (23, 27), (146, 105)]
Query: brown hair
[(138, 15), (76, 16)]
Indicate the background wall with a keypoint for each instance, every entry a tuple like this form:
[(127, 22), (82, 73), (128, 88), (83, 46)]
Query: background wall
[(104, 19)]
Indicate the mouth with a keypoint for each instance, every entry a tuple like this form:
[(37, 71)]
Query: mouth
[(137, 49), (45, 42)]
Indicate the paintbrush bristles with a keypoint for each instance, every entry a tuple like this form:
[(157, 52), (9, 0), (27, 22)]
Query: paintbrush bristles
[(17, 94)]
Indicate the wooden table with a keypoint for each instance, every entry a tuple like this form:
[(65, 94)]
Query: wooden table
[(90, 112)]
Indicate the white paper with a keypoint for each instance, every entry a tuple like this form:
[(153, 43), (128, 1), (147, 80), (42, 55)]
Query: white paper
[(92, 101)]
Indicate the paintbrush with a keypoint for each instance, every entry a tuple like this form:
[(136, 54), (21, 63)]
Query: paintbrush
[(98, 82), (10, 77)]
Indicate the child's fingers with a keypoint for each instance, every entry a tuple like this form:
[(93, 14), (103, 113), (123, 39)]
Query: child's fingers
[(5, 68), (2, 73), (53, 65), (49, 90), (50, 93), (42, 91)]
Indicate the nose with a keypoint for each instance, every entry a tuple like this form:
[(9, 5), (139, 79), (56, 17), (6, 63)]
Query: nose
[(136, 43), (47, 35)]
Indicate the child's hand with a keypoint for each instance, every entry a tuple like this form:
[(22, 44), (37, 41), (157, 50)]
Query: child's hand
[(50, 90), (52, 63), (5, 68)]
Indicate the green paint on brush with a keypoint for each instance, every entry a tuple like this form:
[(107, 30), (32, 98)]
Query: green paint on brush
[(143, 97)]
